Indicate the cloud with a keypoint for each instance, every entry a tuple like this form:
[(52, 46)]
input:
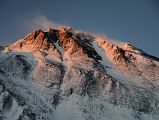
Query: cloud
[(43, 23)]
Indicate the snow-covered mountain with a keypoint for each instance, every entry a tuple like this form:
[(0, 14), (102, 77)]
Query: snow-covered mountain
[(68, 75)]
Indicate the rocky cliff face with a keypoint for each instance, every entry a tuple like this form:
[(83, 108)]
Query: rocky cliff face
[(64, 74)]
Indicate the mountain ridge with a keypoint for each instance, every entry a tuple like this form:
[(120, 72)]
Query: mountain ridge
[(45, 71)]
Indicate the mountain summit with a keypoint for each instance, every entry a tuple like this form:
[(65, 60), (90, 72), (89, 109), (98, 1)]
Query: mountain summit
[(65, 74)]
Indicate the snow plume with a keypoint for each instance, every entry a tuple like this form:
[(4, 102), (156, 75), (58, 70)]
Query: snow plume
[(43, 23), (113, 41)]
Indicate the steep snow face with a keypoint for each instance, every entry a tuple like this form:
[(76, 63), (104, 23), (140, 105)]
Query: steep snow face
[(62, 74)]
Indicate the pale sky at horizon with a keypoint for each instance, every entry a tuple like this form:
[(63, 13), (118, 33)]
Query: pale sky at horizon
[(133, 21)]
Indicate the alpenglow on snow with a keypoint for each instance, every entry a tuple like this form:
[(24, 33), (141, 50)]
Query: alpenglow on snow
[(63, 74)]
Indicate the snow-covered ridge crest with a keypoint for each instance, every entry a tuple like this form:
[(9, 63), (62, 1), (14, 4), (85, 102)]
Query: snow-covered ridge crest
[(132, 62)]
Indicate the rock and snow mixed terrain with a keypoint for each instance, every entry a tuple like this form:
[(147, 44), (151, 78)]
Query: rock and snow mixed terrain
[(68, 75)]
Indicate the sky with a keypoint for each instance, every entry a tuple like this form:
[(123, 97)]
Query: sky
[(132, 21)]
